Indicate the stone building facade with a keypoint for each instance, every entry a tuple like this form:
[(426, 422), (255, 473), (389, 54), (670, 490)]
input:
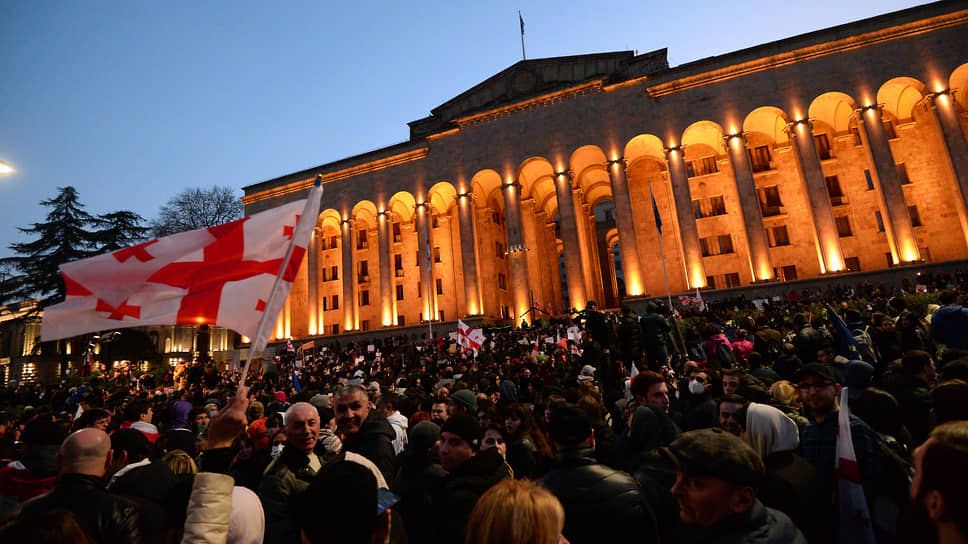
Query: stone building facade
[(837, 151)]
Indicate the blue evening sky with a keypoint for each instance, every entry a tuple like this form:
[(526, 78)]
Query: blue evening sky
[(131, 102)]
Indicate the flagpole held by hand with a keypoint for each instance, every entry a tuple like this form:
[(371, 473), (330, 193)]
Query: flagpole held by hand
[(280, 289)]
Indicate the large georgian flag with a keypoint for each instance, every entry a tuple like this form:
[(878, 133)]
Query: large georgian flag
[(229, 275)]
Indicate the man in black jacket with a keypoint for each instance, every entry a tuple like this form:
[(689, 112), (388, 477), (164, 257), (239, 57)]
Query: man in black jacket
[(364, 431), (82, 462), (598, 501)]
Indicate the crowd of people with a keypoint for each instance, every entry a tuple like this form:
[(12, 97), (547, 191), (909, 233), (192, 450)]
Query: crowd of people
[(715, 425)]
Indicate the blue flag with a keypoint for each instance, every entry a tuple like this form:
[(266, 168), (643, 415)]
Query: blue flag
[(655, 211), (295, 381), (845, 340)]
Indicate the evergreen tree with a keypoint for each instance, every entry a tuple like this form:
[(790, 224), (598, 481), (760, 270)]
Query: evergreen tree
[(118, 230), (62, 238)]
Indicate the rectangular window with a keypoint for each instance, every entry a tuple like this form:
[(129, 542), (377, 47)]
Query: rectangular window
[(902, 173), (780, 236), (401, 320), (789, 272), (717, 205), (416, 258), (704, 246), (325, 274), (732, 280), (702, 167), (364, 324), (852, 264), (399, 292), (710, 282), (398, 262), (361, 242), (843, 226), (915, 216), (836, 194), (334, 329), (363, 269), (364, 298), (697, 208), (436, 254), (440, 315), (823, 146), (334, 272), (770, 201), (434, 221), (334, 305), (880, 221), (856, 134), (397, 236), (760, 158), (889, 130), (725, 244), (333, 242), (499, 250), (325, 304), (501, 282), (440, 286), (870, 180)]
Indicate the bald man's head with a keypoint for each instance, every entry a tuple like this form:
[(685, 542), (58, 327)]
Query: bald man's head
[(87, 451)]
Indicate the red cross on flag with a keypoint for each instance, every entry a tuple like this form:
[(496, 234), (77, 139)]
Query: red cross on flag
[(855, 521), (467, 337), (235, 275)]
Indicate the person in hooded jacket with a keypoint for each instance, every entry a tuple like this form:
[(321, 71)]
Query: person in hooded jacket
[(419, 476), (789, 482), (598, 500), (35, 473), (650, 429)]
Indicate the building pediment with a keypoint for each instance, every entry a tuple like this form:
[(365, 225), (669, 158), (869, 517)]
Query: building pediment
[(530, 79)]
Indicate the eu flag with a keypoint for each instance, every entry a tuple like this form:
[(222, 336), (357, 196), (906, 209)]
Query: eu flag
[(845, 340), (655, 212), (295, 382)]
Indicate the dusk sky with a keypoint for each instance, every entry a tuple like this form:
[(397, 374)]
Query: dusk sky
[(131, 102)]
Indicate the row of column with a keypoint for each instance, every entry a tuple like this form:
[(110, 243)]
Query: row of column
[(578, 258)]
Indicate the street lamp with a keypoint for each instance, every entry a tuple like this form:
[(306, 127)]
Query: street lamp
[(5, 168)]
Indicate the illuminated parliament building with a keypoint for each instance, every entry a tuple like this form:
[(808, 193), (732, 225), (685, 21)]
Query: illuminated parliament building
[(838, 151)]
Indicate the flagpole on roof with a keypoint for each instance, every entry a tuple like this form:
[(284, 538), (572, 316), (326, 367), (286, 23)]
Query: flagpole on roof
[(521, 20), (277, 297)]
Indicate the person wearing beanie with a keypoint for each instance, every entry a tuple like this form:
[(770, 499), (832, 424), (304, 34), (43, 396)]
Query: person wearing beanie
[(470, 474), (462, 402), (596, 498), (419, 475), (716, 483)]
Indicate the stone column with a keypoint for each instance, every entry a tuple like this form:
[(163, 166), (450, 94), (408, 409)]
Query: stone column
[(811, 172), (466, 215), (423, 253), (759, 248), (946, 110), (387, 316), (569, 238), (631, 269), (686, 216), (554, 268), (312, 268), (517, 260), (900, 232), (349, 298)]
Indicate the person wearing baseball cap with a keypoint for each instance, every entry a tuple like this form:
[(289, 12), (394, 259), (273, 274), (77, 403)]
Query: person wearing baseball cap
[(716, 482), (470, 475), (820, 392)]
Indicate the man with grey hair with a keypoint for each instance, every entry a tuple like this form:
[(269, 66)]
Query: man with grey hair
[(81, 466), (290, 473), (365, 431)]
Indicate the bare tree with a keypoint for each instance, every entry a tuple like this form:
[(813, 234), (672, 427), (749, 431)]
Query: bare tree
[(196, 208)]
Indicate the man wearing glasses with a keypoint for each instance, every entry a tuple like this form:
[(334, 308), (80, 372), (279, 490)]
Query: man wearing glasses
[(820, 394)]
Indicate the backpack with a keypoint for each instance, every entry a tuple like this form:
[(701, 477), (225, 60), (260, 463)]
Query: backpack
[(725, 356)]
